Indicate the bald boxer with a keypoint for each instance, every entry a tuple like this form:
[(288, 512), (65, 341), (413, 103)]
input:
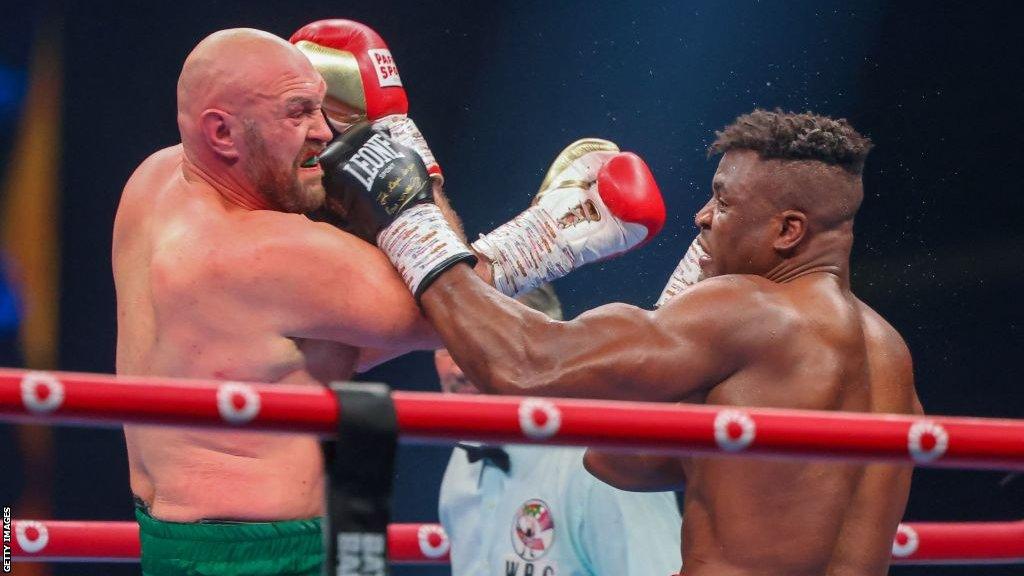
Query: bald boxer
[(595, 201), (774, 324), (220, 275)]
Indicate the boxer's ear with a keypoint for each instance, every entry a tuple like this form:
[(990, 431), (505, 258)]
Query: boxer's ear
[(792, 230), (220, 133)]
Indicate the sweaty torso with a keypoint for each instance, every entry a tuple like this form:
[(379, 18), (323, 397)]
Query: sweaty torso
[(820, 349), (177, 317)]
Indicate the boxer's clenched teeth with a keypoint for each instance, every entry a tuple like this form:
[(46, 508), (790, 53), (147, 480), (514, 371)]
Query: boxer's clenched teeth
[(311, 161)]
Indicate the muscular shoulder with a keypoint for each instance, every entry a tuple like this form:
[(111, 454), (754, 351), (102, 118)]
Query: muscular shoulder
[(890, 364), (150, 177), (264, 243), (156, 164), (736, 301), (172, 155), (879, 330)]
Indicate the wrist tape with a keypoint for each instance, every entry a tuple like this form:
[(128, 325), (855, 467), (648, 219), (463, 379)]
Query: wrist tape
[(526, 251), (422, 245)]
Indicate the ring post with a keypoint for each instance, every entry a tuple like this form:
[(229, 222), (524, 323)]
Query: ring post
[(360, 463)]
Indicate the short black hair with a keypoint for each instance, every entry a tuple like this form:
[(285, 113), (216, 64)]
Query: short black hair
[(795, 136)]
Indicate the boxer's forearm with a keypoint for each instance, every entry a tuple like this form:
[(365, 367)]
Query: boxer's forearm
[(479, 327), (615, 352), (507, 348), (636, 472)]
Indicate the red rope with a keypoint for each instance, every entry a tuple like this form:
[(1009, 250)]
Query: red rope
[(670, 428), (915, 543)]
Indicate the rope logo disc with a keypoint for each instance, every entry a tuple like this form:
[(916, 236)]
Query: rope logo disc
[(41, 393), (927, 441), (906, 541), (539, 419), (32, 536), (237, 403), (734, 430), (433, 541)]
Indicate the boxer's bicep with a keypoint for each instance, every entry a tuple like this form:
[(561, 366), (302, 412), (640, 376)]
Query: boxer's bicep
[(615, 351), (668, 354)]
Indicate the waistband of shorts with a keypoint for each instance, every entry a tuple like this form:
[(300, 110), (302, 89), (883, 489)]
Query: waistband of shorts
[(227, 531)]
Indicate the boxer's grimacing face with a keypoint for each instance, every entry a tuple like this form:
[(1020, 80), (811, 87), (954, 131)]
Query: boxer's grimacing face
[(738, 224), (284, 132)]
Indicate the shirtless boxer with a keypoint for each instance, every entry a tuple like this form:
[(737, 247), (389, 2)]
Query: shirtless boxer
[(219, 275), (775, 324)]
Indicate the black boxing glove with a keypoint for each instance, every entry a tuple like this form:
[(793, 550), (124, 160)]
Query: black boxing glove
[(392, 188)]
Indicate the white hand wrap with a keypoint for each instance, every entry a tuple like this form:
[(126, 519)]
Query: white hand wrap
[(421, 245), (526, 252), (686, 274), (403, 130)]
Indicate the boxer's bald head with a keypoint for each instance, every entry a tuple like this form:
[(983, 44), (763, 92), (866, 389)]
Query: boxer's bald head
[(786, 190), (249, 116)]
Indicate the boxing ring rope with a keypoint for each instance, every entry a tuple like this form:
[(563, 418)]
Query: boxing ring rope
[(107, 541), (915, 543), (103, 400), (93, 399)]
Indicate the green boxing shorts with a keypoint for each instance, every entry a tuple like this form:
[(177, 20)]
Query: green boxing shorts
[(219, 548)]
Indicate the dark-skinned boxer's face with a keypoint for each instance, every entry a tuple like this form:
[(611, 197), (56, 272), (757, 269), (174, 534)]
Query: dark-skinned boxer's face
[(739, 224), (284, 131)]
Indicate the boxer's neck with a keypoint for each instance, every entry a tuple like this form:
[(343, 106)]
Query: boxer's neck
[(235, 190), (827, 252)]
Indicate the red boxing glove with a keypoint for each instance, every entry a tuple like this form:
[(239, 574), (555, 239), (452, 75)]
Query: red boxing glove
[(632, 196), (594, 203), (362, 81)]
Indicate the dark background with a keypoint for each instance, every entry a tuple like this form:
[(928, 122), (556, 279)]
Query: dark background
[(500, 88)]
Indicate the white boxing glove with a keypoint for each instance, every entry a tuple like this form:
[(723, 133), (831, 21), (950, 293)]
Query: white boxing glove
[(594, 203), (686, 274)]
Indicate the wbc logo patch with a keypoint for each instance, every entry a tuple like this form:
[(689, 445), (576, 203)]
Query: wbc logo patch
[(533, 530)]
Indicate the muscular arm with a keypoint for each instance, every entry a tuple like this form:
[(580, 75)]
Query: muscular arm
[(371, 357), (322, 283), (615, 351)]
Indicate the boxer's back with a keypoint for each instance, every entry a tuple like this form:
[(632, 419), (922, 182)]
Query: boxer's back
[(179, 316), (818, 348)]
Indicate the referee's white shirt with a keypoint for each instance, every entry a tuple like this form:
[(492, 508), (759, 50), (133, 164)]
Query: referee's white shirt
[(550, 517)]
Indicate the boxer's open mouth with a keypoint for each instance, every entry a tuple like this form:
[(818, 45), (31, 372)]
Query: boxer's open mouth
[(705, 258), (311, 161)]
